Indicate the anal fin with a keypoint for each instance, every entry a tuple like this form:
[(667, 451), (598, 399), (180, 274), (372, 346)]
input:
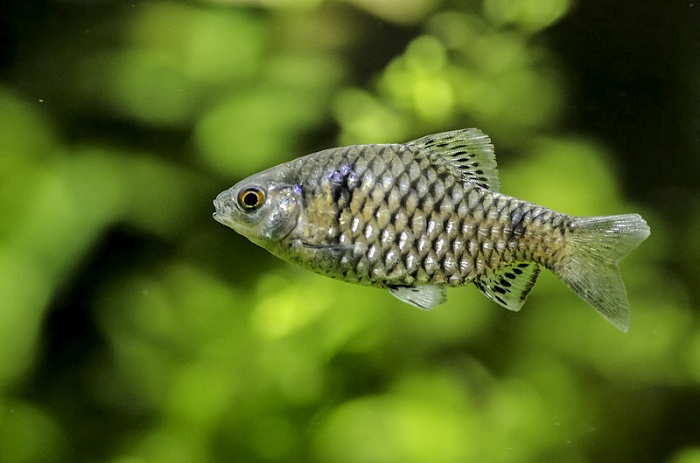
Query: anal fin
[(423, 296), (509, 285)]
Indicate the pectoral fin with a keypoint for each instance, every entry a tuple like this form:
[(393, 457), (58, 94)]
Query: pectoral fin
[(510, 285), (424, 296)]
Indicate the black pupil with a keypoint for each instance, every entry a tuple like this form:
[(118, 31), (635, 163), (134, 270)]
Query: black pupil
[(251, 198)]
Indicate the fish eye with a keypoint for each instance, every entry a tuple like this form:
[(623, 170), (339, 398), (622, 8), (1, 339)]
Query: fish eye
[(251, 198)]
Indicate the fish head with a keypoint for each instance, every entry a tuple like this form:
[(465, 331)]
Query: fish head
[(262, 208)]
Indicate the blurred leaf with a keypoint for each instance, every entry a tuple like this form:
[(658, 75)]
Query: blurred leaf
[(248, 131), (531, 15), (568, 175), (406, 11), (687, 455), (26, 290), (28, 435), (211, 46)]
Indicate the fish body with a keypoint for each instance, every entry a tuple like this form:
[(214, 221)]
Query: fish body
[(416, 217)]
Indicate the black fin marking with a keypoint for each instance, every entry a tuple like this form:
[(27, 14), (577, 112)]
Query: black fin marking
[(467, 153), (509, 285)]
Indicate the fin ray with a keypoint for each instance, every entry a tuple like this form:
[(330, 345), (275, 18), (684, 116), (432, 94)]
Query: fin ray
[(509, 286), (424, 297), (590, 269), (467, 153)]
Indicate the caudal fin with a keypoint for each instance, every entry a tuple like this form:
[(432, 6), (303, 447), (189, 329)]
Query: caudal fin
[(590, 268)]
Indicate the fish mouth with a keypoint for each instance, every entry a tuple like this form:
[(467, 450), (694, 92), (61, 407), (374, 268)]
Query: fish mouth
[(221, 212)]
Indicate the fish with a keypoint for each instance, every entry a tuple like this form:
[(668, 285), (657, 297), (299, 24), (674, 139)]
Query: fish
[(415, 218)]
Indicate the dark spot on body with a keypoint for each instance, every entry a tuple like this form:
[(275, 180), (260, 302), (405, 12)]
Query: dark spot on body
[(343, 181)]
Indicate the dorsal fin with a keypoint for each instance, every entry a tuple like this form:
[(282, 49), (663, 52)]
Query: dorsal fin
[(468, 153), (509, 285)]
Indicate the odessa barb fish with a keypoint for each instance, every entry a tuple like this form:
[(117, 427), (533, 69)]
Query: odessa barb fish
[(416, 217)]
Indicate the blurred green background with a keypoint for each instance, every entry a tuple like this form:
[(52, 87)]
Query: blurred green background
[(134, 328)]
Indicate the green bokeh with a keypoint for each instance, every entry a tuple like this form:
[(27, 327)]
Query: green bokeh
[(134, 328)]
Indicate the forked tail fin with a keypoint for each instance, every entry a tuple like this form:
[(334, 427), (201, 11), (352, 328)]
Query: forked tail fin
[(590, 268)]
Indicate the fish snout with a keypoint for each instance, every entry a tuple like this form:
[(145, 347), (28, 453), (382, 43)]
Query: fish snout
[(223, 208)]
